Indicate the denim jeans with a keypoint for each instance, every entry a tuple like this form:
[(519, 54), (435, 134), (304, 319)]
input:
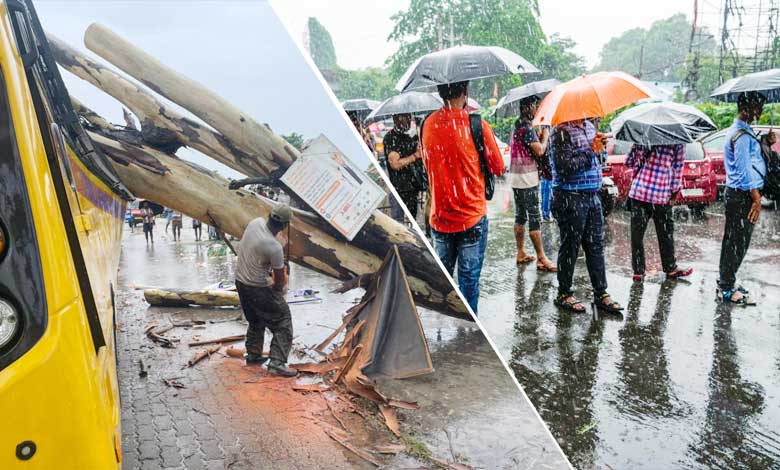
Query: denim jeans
[(581, 224), (467, 248), (545, 189)]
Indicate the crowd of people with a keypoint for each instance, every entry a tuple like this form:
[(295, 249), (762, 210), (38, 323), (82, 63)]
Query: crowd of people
[(556, 173)]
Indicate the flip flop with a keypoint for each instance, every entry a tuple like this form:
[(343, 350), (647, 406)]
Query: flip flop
[(547, 268), (677, 273), (744, 301), (569, 303), (526, 259)]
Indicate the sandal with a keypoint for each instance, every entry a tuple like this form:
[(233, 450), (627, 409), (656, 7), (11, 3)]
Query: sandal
[(525, 259), (611, 307), (677, 273), (547, 267), (744, 300), (569, 303)]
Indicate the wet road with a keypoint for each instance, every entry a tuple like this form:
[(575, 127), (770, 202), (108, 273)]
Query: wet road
[(678, 381), (470, 407)]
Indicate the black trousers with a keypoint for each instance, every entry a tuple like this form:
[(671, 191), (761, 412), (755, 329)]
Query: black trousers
[(264, 308), (736, 236), (581, 224), (641, 213), (411, 199)]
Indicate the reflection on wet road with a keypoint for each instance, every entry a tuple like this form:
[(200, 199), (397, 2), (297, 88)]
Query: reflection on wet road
[(678, 381)]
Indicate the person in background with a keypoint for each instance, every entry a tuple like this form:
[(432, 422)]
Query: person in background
[(404, 163), (176, 224), (168, 217), (354, 117), (656, 184), (745, 172), (576, 171), (545, 189), (197, 227), (459, 224), (261, 282), (147, 214), (526, 149)]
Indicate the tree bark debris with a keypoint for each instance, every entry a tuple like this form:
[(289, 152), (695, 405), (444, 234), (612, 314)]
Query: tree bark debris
[(200, 355)]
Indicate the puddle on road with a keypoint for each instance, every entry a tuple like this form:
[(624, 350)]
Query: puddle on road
[(677, 382)]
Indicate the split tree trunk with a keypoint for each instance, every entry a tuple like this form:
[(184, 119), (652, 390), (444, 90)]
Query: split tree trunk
[(164, 129), (204, 195)]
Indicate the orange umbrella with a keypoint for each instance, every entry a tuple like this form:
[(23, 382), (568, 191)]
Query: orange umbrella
[(594, 95)]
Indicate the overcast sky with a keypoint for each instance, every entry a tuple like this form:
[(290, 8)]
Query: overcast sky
[(360, 28), (238, 49)]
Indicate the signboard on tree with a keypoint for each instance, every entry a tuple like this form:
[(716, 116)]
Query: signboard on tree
[(333, 186)]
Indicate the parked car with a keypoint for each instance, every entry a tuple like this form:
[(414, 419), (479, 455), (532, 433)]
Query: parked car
[(714, 144), (699, 181)]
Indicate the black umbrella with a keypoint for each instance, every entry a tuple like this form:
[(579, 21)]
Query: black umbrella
[(766, 83), (461, 63), (157, 209), (360, 107), (509, 105), (413, 102), (661, 124)]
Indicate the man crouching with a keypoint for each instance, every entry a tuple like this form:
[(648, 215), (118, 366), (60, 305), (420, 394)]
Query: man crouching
[(261, 281)]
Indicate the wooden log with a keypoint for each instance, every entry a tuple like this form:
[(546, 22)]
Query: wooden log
[(181, 298), (162, 126), (251, 136), (200, 355), (378, 234), (203, 195), (225, 339)]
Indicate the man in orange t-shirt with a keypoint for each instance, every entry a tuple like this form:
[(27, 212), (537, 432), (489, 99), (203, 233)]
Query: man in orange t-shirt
[(459, 209)]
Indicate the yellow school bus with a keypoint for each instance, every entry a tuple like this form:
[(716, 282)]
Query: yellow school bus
[(61, 215)]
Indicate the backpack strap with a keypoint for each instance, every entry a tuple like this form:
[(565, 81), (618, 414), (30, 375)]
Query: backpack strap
[(739, 134), (477, 135)]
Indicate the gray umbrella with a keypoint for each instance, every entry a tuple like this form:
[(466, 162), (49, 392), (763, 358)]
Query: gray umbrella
[(461, 63), (767, 83), (661, 124), (360, 106), (413, 102), (509, 105)]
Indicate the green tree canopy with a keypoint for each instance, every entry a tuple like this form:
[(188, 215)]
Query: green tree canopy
[(429, 25), (295, 139), (657, 53), (321, 46), (372, 83)]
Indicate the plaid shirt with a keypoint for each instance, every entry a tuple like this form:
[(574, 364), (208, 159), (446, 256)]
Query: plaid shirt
[(658, 172), (581, 139)]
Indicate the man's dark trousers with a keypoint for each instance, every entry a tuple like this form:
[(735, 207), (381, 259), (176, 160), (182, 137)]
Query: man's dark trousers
[(641, 212), (736, 236), (264, 308), (581, 223)]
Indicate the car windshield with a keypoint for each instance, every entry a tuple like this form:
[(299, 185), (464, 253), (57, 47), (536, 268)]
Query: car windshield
[(622, 147), (715, 144)]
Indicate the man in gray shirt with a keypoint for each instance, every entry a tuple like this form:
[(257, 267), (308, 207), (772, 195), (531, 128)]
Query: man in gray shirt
[(261, 281)]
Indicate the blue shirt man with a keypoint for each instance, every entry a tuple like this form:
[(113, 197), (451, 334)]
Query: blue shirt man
[(745, 166)]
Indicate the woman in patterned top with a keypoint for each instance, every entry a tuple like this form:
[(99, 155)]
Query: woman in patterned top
[(655, 186)]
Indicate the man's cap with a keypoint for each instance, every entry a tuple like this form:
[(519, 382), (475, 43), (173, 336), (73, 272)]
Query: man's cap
[(281, 213)]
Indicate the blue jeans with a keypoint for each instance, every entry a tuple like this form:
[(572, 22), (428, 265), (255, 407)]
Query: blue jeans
[(467, 248), (546, 195)]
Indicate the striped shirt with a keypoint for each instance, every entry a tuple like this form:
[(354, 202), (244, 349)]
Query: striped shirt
[(658, 172), (580, 139)]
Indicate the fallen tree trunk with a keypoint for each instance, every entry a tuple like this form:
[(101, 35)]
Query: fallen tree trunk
[(178, 298), (255, 138), (161, 126), (255, 145), (203, 195)]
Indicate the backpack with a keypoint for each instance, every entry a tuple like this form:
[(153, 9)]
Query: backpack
[(771, 189), (542, 163), (477, 135)]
